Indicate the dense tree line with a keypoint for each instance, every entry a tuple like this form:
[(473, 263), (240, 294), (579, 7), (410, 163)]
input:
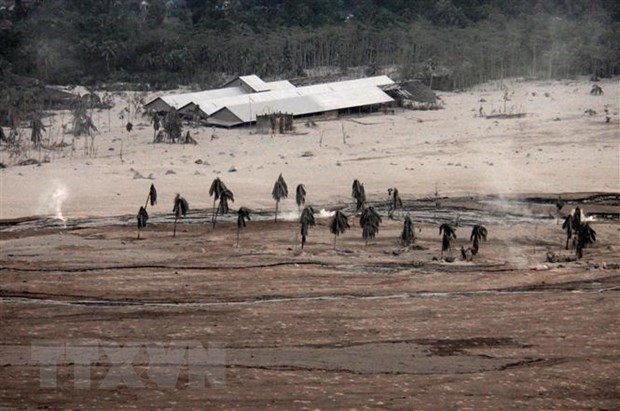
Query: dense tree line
[(197, 41)]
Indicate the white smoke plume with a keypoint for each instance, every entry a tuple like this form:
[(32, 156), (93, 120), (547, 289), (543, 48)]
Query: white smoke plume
[(51, 201)]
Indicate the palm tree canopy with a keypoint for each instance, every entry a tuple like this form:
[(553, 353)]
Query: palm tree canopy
[(407, 236), (568, 225), (216, 189), (181, 206), (339, 224), (143, 216), (587, 234), (396, 200), (449, 234), (306, 220), (225, 196), (447, 230), (370, 221), (153, 195), (307, 216), (300, 196), (577, 214), (355, 188), (359, 193), (478, 232), (280, 189), (243, 215)]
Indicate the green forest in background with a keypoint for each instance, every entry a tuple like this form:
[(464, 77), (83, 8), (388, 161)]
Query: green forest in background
[(169, 42)]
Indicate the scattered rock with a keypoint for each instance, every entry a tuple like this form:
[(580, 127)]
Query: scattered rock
[(170, 172), (307, 154), (199, 161), (232, 169)]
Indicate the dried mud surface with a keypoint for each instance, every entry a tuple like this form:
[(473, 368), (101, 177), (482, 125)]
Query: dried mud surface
[(359, 327)]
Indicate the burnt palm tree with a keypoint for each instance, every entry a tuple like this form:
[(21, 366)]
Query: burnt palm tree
[(585, 236), (449, 234), (300, 196), (306, 220), (396, 201), (243, 215), (359, 194), (215, 191), (222, 208), (369, 221), (151, 197), (407, 236), (181, 207), (143, 216), (37, 130), (568, 227), (338, 225), (478, 232), (577, 214), (280, 191)]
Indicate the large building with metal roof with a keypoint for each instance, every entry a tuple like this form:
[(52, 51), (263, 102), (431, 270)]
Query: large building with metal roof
[(242, 99)]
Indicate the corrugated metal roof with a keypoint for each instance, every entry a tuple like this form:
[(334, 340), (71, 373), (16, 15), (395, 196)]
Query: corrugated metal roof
[(280, 85), (210, 105), (301, 104), (179, 100), (255, 83)]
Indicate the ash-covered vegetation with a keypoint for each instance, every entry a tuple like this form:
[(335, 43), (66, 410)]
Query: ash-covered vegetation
[(452, 43)]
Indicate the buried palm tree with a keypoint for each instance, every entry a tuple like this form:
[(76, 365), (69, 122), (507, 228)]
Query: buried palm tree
[(143, 216), (359, 194), (243, 215), (478, 232), (338, 225), (369, 221), (300, 196), (449, 234), (407, 236), (215, 191), (585, 236), (280, 191), (306, 220), (181, 207)]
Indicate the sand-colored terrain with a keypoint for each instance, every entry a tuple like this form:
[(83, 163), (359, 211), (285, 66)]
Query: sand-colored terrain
[(365, 327), (556, 148)]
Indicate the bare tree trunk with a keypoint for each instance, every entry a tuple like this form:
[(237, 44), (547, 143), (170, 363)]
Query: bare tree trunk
[(335, 238), (174, 233), (277, 202), (213, 217)]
